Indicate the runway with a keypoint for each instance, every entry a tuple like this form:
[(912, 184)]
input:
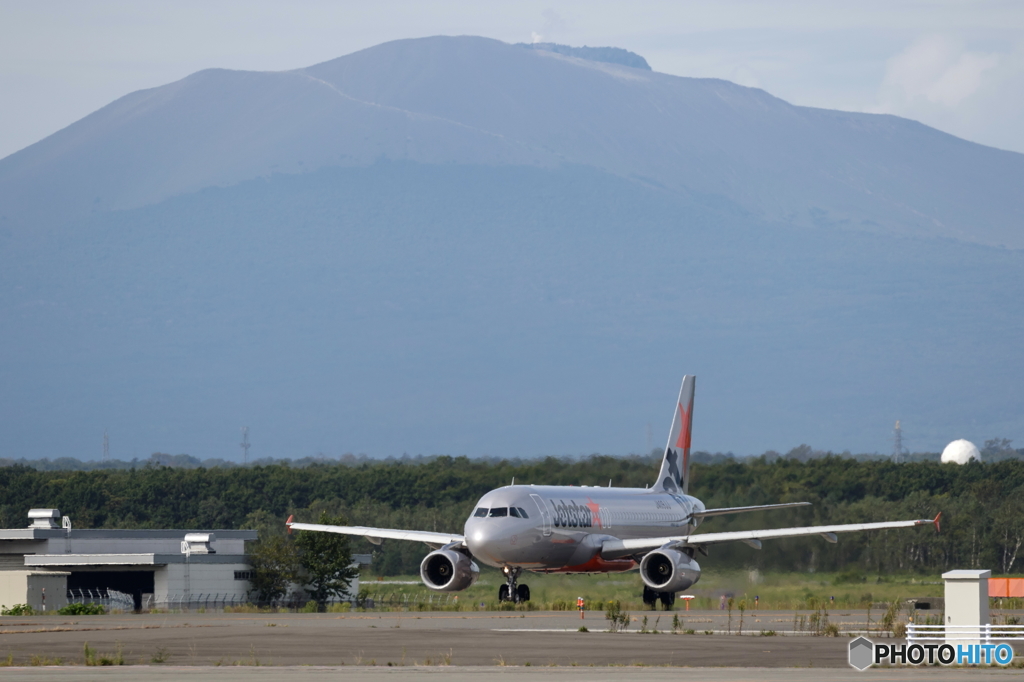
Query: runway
[(376, 641), (475, 674)]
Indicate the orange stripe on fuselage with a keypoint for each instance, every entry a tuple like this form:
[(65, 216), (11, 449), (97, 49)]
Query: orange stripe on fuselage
[(597, 565)]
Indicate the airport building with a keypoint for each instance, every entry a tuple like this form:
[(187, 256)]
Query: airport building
[(48, 562)]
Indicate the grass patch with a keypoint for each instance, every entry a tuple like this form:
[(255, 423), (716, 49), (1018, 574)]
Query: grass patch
[(92, 657), (775, 591)]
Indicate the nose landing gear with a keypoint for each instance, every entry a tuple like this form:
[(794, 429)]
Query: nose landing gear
[(510, 591)]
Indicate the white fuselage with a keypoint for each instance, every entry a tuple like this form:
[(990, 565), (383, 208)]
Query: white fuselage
[(561, 528)]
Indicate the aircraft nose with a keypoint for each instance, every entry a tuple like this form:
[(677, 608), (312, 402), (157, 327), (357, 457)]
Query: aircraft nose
[(485, 539)]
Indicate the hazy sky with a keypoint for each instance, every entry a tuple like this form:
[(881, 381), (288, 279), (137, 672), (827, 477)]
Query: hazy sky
[(955, 65)]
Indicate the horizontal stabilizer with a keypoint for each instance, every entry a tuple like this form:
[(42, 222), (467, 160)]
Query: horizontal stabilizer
[(375, 535), (739, 510)]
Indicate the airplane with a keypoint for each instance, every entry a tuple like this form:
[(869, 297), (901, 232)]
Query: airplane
[(594, 529)]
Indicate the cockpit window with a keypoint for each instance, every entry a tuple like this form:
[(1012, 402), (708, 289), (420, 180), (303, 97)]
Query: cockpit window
[(480, 511), (522, 513), (499, 511), (512, 511)]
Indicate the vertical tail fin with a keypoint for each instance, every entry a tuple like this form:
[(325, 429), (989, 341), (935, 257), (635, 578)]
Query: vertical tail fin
[(675, 466)]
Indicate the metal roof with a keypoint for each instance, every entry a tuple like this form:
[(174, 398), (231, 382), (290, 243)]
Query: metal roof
[(152, 559)]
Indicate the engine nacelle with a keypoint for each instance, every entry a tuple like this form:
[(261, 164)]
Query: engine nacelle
[(669, 570), (447, 570)]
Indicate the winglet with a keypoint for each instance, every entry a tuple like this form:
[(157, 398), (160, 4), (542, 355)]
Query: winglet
[(291, 518), (936, 521)]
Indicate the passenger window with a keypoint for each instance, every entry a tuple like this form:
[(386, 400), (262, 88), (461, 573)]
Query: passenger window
[(499, 511), (512, 511), (481, 511), (523, 514)]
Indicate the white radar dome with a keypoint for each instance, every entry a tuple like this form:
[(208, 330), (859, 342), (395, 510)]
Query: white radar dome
[(959, 451)]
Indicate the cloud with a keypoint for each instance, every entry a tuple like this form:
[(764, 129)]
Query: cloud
[(937, 69), (974, 94), (554, 26), (553, 22)]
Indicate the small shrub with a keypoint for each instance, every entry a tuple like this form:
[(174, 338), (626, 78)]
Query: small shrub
[(309, 607), (618, 619), (93, 658), (160, 656), (339, 607), (769, 633), (17, 610), (583, 628), (691, 631), (88, 609)]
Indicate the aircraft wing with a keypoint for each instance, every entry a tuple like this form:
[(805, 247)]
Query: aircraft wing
[(613, 549), (375, 535), (739, 510)]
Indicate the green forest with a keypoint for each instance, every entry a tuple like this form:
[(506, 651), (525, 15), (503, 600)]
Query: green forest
[(982, 504)]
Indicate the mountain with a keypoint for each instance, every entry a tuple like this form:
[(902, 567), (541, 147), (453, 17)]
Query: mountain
[(480, 101), (458, 245)]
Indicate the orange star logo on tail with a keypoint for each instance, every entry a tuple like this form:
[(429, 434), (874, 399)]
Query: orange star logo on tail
[(684, 429), (595, 513)]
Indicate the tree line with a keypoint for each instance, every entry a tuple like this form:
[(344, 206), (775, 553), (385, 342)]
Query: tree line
[(982, 504)]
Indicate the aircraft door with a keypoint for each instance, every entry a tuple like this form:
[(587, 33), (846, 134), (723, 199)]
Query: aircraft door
[(545, 516)]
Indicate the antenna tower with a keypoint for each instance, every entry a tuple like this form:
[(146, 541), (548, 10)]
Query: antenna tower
[(245, 444), (106, 446), (897, 445)]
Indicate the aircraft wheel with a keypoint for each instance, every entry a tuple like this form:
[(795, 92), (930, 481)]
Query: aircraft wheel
[(667, 599), (524, 593), (503, 593), (650, 596)]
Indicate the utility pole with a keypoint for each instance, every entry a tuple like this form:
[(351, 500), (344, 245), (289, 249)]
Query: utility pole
[(106, 446), (245, 444), (897, 446)]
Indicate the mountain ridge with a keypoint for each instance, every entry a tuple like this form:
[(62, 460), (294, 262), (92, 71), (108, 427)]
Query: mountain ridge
[(475, 100)]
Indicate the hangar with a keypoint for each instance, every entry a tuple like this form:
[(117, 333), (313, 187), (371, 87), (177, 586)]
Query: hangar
[(45, 563)]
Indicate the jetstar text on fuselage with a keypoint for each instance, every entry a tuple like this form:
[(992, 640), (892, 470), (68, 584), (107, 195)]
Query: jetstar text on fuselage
[(575, 515)]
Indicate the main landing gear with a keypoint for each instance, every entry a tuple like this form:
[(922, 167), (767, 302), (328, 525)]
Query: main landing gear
[(651, 598), (510, 591)]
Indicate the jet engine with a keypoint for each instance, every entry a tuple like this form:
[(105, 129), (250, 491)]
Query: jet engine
[(448, 570), (669, 570)]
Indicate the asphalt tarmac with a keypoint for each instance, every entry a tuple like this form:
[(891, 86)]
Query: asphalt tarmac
[(400, 640), (506, 674)]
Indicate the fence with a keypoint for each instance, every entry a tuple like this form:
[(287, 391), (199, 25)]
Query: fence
[(119, 600), (194, 601), (112, 599), (974, 633)]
